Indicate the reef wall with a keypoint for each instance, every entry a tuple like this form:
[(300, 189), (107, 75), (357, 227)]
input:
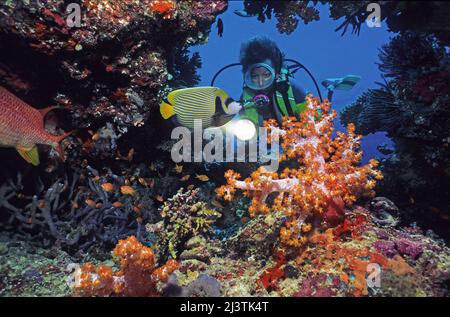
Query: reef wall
[(106, 67)]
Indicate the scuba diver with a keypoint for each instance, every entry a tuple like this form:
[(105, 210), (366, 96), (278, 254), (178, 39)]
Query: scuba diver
[(268, 91)]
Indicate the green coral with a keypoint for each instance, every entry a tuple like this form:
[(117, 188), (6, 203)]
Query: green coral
[(28, 271), (183, 217)]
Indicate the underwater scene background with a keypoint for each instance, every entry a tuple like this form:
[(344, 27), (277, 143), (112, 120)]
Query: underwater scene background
[(93, 204)]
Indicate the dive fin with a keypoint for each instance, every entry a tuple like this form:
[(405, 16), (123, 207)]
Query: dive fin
[(166, 110), (31, 155), (344, 83), (352, 78), (348, 82)]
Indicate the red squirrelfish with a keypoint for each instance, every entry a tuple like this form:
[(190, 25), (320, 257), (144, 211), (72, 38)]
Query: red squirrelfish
[(22, 127)]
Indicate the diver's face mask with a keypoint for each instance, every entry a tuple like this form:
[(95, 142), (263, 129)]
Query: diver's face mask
[(259, 76)]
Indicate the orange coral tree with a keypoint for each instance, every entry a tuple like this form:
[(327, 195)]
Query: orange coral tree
[(138, 274), (328, 176)]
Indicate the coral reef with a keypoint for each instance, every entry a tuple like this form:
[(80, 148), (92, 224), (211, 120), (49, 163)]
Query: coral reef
[(109, 73), (335, 262), (412, 107), (144, 226), (183, 217), (203, 286), (29, 271), (199, 249), (138, 275), (256, 239), (111, 66), (89, 208), (327, 179)]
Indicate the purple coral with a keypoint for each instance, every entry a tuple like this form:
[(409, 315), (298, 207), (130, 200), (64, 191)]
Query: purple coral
[(406, 247), (402, 246), (382, 234), (386, 248), (317, 286)]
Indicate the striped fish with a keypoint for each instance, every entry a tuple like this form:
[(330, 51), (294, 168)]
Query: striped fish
[(212, 105)]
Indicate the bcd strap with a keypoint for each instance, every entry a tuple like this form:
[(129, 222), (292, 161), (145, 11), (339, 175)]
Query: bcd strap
[(285, 94), (250, 111)]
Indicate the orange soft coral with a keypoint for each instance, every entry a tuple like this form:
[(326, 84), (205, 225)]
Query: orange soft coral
[(328, 176), (164, 7), (138, 275)]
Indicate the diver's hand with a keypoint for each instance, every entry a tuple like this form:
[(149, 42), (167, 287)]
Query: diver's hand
[(234, 107)]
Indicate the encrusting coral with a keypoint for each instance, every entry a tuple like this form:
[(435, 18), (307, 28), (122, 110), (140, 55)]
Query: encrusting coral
[(184, 216), (327, 179), (138, 275)]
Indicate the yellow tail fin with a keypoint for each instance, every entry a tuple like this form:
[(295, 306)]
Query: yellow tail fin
[(31, 155), (166, 110)]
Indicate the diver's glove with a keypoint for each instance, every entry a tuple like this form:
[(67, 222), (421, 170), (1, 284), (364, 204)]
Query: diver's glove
[(234, 107)]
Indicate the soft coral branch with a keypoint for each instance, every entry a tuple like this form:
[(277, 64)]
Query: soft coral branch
[(138, 275), (327, 178)]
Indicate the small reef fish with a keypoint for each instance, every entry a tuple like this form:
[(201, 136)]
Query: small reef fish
[(108, 187), (22, 128), (185, 178), (220, 27), (178, 168), (203, 178), (211, 105), (117, 204), (127, 190)]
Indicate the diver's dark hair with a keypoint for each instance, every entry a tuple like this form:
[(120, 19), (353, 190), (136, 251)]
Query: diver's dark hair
[(258, 49)]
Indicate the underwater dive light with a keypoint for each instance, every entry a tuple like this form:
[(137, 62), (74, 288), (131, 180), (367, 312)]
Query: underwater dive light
[(243, 129)]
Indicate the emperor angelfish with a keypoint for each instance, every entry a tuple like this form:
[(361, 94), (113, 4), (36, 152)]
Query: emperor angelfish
[(212, 105)]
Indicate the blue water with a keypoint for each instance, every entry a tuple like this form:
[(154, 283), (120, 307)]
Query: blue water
[(322, 50)]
